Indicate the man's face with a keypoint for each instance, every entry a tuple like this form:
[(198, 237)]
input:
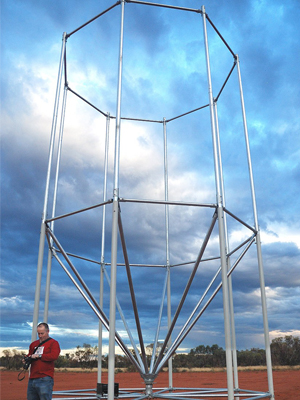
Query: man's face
[(43, 333)]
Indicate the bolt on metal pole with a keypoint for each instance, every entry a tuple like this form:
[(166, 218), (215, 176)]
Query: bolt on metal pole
[(220, 212), (258, 243), (43, 228), (115, 216)]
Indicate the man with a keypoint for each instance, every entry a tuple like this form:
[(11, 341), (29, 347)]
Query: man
[(43, 353)]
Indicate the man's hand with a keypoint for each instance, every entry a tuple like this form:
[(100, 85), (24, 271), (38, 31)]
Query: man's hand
[(35, 356)]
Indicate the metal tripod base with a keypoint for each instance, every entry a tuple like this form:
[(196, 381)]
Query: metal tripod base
[(162, 393), (149, 381)]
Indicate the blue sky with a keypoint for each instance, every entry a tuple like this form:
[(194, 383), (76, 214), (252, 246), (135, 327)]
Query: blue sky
[(163, 76)]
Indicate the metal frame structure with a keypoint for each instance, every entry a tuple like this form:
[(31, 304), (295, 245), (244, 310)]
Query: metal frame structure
[(219, 215)]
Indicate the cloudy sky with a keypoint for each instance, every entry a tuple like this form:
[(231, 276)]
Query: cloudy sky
[(164, 76)]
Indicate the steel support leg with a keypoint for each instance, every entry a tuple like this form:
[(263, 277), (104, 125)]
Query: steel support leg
[(43, 228)]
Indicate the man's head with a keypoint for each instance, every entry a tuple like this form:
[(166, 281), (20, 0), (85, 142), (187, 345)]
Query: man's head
[(43, 331)]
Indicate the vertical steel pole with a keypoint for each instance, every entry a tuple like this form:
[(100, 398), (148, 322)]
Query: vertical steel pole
[(49, 263), (166, 181), (102, 266), (114, 235), (220, 222), (258, 243), (100, 332), (44, 215), (231, 307), (170, 361), (48, 282)]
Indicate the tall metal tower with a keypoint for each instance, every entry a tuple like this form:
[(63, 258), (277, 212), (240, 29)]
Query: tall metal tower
[(216, 256)]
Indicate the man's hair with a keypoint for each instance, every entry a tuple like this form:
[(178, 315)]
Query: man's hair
[(43, 324)]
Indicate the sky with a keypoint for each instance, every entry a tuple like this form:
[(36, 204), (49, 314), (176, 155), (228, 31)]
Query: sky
[(164, 76)]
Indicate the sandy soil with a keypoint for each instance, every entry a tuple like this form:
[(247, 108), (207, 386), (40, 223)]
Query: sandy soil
[(286, 382)]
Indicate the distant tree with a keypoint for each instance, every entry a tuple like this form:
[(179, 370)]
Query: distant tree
[(12, 359), (207, 356), (62, 362), (219, 356), (182, 361), (122, 361), (286, 350), (201, 349), (86, 356), (251, 357)]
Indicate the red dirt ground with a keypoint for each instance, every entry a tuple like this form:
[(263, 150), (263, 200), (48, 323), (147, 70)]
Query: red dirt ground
[(286, 382)]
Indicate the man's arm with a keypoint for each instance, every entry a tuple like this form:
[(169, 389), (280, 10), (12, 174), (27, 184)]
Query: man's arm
[(31, 349)]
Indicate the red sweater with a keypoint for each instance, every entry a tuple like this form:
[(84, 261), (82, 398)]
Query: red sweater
[(44, 366)]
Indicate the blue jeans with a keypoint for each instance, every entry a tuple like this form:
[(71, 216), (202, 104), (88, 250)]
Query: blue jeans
[(40, 388)]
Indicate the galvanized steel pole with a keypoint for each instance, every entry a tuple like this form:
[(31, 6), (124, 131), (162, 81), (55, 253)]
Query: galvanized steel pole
[(169, 310), (115, 216), (102, 266), (231, 307), (220, 222), (258, 243), (44, 215), (49, 263)]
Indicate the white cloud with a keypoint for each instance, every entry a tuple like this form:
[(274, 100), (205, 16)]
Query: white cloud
[(280, 333), (83, 332), (280, 232), (14, 305)]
